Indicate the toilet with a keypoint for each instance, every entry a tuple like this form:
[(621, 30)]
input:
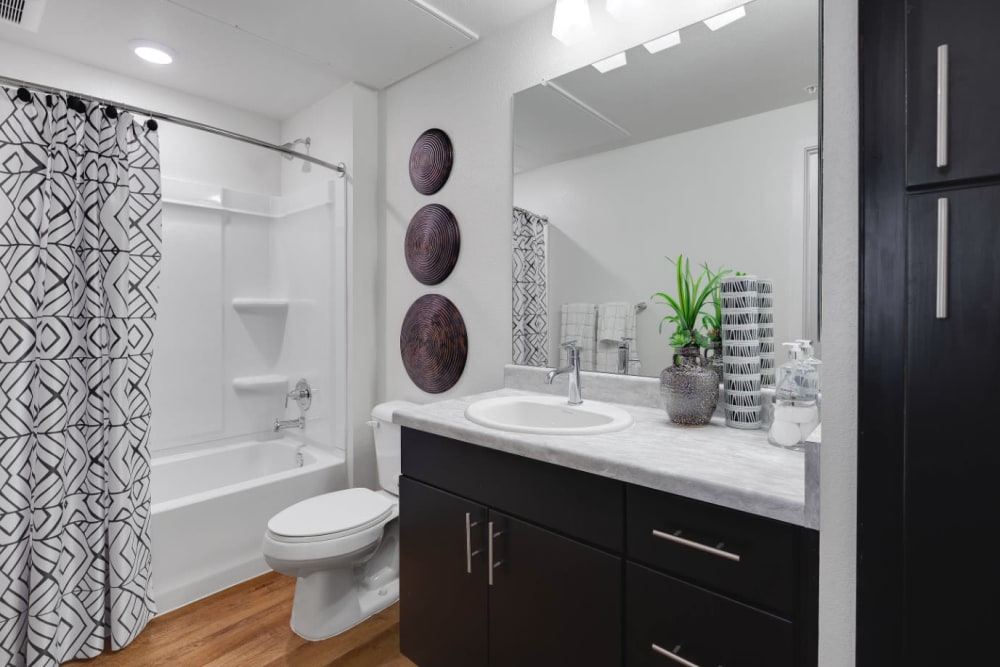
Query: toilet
[(343, 546)]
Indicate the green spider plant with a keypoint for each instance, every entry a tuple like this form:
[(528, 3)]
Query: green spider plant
[(692, 293), (713, 321)]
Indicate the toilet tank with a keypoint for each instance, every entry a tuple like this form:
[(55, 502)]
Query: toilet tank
[(387, 444)]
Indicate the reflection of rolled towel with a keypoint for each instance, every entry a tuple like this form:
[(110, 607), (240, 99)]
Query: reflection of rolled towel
[(612, 321)]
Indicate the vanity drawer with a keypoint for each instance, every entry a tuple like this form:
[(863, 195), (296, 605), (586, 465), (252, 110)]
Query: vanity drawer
[(750, 558), (586, 507), (698, 626)]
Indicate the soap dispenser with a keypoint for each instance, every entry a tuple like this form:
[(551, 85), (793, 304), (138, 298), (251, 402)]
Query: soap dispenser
[(795, 395)]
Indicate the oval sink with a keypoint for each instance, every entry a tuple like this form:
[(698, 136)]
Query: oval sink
[(549, 415)]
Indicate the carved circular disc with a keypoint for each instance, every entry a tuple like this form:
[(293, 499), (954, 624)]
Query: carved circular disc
[(430, 161), (433, 343), (432, 244)]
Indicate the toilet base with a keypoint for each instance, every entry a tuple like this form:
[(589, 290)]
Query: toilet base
[(329, 602)]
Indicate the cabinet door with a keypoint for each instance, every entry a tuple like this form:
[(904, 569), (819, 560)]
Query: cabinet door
[(952, 461), (553, 601), (670, 621), (443, 607), (969, 28)]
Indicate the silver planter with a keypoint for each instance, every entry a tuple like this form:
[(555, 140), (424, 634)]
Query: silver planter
[(690, 390)]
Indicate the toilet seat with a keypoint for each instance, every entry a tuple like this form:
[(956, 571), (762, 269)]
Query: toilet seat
[(331, 516)]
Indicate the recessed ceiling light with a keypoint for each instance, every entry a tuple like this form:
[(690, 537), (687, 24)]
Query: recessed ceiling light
[(725, 18), (665, 42), (571, 21), (152, 52), (608, 64)]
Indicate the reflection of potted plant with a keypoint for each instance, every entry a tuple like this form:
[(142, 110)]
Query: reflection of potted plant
[(690, 390)]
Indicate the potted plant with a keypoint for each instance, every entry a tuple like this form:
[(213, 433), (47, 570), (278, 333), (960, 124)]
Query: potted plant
[(690, 390)]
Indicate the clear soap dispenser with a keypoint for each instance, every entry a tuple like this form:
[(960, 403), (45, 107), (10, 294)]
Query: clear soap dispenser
[(795, 413)]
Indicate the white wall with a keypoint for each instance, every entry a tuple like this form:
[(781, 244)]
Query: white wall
[(723, 194), (469, 96), (838, 487)]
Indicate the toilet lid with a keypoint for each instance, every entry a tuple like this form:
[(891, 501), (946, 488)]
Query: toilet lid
[(331, 514)]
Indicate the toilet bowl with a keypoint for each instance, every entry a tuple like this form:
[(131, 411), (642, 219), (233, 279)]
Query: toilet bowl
[(343, 547)]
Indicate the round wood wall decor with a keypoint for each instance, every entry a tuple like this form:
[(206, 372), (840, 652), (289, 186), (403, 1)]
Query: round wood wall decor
[(433, 343), (432, 244), (430, 161)]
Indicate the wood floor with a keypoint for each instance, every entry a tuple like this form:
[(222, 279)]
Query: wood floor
[(247, 626)]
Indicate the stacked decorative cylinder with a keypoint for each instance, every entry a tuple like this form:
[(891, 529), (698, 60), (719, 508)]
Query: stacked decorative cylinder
[(765, 303), (741, 351)]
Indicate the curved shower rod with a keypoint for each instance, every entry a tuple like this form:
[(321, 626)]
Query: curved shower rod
[(177, 120)]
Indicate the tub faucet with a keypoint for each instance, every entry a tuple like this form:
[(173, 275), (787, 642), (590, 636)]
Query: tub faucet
[(573, 352), (280, 424)]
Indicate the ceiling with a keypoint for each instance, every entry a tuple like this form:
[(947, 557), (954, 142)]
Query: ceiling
[(759, 63), (272, 57)]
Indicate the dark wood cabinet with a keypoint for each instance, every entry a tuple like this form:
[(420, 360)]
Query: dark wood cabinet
[(539, 577), (968, 31), (667, 615), (443, 621), (930, 285), (553, 600)]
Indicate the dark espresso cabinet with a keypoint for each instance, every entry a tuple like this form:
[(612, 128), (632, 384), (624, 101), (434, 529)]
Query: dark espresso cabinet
[(952, 97), (927, 458), (510, 562)]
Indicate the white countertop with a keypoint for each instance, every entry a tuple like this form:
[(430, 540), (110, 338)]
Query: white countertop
[(724, 466)]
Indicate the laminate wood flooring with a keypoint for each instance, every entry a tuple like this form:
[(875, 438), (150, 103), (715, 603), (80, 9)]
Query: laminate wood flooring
[(247, 626)]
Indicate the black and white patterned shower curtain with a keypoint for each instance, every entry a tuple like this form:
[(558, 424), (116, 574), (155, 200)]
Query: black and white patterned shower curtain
[(531, 298), (79, 255)]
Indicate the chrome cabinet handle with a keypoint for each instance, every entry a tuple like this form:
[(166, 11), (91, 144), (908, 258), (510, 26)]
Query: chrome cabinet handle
[(942, 106), (469, 553), (942, 258), (677, 539), (673, 656), (493, 564)]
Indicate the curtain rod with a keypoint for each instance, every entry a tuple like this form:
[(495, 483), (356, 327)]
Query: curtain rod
[(177, 120)]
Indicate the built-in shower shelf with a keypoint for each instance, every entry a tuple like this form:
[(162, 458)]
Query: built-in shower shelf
[(261, 383), (260, 305)]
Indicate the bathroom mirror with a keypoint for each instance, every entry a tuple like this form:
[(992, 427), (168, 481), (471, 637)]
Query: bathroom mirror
[(707, 148)]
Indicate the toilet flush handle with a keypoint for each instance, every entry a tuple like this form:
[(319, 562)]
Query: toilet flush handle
[(373, 423)]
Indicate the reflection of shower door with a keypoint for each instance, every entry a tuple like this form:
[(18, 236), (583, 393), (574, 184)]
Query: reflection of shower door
[(812, 276)]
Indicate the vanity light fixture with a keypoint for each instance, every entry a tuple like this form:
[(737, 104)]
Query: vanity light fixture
[(725, 18), (624, 9), (152, 52), (608, 64), (571, 21), (665, 42)]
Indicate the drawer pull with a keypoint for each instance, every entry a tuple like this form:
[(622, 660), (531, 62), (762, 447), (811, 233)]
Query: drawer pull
[(941, 309), (494, 564), (469, 553), (942, 107), (673, 656), (677, 539)]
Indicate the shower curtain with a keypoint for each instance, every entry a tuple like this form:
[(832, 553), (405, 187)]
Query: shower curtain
[(530, 297), (79, 255)]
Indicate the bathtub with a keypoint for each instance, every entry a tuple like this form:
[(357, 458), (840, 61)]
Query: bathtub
[(210, 508)]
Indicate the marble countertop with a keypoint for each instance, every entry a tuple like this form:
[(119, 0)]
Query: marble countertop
[(720, 465)]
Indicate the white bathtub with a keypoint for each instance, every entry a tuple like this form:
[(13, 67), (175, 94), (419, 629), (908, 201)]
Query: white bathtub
[(211, 506)]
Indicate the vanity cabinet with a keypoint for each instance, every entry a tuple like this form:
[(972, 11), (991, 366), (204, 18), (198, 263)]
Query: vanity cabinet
[(966, 73), (510, 562)]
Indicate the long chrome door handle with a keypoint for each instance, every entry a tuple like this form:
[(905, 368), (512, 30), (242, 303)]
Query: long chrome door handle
[(942, 258), (677, 539), (942, 106), (673, 656), (494, 564), (469, 553)]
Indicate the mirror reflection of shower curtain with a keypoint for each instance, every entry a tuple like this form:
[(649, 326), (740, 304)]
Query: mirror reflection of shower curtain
[(530, 297), (79, 256)]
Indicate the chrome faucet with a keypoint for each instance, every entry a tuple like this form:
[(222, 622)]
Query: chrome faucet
[(624, 356), (302, 394), (573, 352)]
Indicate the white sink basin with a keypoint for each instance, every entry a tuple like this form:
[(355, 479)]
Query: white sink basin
[(549, 415)]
